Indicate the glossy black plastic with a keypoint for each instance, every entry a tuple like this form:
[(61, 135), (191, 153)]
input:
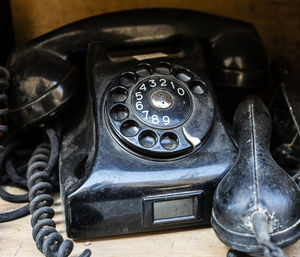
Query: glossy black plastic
[(109, 189), (232, 49), (41, 83), (188, 118), (255, 184)]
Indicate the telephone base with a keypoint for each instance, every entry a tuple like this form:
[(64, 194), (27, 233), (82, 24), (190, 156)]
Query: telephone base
[(113, 182)]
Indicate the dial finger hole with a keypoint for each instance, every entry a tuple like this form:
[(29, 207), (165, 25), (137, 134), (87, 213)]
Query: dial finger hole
[(143, 70), (184, 75), (164, 68), (128, 79), (197, 87), (119, 112), (169, 141), (130, 128), (148, 138), (118, 94)]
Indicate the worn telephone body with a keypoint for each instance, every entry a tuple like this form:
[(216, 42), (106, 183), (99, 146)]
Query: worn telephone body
[(144, 145)]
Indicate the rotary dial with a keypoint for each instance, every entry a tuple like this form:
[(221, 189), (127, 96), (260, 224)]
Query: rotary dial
[(161, 110), (161, 102)]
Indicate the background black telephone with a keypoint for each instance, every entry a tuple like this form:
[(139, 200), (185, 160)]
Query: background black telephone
[(143, 144)]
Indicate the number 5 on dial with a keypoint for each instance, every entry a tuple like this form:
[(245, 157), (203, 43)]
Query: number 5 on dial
[(138, 96)]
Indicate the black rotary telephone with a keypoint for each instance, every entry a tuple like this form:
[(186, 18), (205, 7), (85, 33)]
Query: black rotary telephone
[(143, 143)]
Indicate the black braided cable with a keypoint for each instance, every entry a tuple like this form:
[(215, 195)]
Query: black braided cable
[(271, 250), (13, 177), (15, 214), (13, 198), (261, 229), (14, 173), (4, 151), (17, 179), (47, 239)]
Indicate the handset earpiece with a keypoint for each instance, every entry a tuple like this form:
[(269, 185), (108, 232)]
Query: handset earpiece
[(256, 205), (41, 84)]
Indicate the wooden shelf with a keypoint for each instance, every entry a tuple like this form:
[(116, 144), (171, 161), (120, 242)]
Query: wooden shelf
[(16, 241)]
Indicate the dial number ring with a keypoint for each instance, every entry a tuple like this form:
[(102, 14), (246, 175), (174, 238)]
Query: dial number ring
[(161, 102), (166, 112)]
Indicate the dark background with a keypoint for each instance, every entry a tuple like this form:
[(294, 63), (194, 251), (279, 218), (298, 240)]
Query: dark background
[(277, 21)]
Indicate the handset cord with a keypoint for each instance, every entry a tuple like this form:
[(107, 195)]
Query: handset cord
[(47, 239), (4, 152), (260, 226), (38, 171)]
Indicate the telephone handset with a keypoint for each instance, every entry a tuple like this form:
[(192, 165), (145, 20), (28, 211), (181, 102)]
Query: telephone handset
[(44, 65), (144, 144)]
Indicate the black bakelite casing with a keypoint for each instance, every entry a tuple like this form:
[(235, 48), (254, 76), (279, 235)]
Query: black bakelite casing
[(255, 184), (120, 185), (109, 183)]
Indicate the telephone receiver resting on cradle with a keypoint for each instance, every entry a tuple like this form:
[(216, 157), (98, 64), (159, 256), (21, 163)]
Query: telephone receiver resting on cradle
[(44, 77)]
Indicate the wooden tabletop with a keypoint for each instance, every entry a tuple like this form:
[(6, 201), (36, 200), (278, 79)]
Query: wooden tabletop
[(16, 241)]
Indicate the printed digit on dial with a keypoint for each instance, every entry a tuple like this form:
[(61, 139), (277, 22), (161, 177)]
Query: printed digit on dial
[(146, 114), (166, 120), (155, 119), (152, 83), (143, 87), (163, 82), (138, 96), (139, 105), (180, 91)]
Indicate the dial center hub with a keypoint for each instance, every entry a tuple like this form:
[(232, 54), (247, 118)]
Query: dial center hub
[(161, 102), (161, 99)]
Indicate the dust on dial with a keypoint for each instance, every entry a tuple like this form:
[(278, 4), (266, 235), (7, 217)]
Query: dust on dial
[(161, 102), (159, 110)]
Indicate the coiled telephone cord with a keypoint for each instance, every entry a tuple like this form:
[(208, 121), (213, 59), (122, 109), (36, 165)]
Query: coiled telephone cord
[(39, 181), (48, 240), (4, 152)]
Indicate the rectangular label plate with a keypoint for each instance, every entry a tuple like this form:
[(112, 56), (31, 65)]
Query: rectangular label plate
[(171, 209)]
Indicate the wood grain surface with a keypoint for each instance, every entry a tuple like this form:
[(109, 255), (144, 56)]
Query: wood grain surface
[(16, 240)]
